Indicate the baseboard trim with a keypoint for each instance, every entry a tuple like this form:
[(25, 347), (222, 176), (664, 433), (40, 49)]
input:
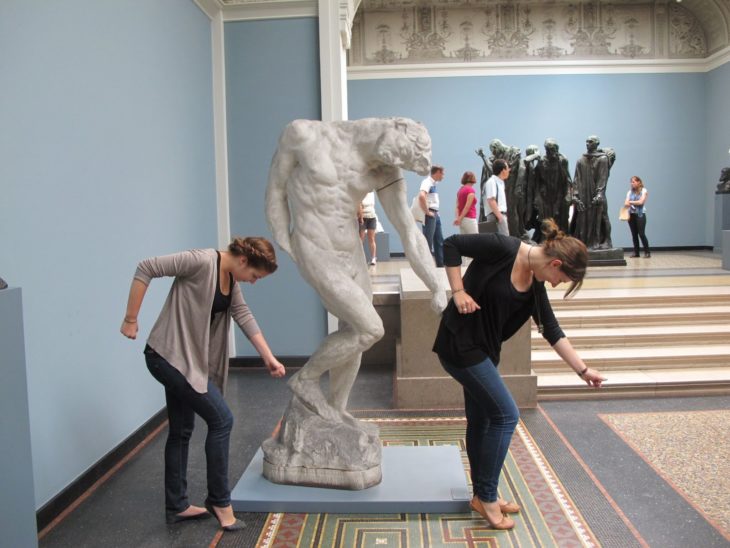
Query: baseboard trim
[(255, 361), (58, 504)]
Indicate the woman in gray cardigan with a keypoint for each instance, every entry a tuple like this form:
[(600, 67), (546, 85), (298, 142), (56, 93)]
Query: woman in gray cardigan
[(187, 352)]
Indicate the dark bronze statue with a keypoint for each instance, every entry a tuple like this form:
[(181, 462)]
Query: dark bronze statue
[(552, 185), (590, 222), (723, 187), (515, 195)]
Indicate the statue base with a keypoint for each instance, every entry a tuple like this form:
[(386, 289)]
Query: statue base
[(606, 257), (312, 451)]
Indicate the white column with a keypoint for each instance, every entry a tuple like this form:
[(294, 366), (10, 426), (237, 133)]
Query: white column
[(332, 61), (335, 21)]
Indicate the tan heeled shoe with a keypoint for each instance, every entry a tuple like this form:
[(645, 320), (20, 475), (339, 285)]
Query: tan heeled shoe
[(510, 508), (506, 508), (503, 525)]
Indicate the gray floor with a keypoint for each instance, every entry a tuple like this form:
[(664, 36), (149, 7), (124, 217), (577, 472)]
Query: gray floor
[(127, 510)]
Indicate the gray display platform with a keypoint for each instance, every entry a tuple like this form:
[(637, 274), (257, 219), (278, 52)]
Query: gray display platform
[(415, 480), (17, 499)]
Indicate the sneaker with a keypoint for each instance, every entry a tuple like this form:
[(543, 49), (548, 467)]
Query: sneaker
[(374, 261)]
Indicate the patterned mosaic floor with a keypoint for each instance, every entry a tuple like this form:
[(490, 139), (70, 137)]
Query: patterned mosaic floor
[(549, 516)]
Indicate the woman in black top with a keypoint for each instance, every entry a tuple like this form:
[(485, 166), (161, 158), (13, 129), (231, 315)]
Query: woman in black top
[(502, 288)]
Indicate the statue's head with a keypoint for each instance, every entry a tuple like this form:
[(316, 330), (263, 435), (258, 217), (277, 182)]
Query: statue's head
[(406, 144), (592, 143), (725, 175), (531, 149), (497, 147), (551, 147)]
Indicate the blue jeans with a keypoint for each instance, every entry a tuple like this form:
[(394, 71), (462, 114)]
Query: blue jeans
[(182, 404), (434, 237), (491, 419)]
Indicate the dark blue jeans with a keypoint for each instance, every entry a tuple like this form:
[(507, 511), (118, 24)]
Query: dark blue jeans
[(434, 237), (182, 404), (491, 419)]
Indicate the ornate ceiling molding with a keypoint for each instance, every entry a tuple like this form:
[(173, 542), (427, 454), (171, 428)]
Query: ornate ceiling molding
[(457, 32)]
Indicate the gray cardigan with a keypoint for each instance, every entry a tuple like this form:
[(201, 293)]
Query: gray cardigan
[(183, 333)]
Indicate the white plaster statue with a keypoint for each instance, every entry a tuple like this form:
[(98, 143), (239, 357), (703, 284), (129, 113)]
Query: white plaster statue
[(319, 176)]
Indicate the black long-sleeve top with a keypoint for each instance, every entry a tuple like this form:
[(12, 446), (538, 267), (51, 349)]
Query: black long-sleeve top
[(467, 339)]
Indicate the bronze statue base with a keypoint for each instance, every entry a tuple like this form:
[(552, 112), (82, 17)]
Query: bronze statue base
[(606, 257)]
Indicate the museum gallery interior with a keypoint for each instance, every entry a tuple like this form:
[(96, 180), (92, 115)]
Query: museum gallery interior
[(137, 130)]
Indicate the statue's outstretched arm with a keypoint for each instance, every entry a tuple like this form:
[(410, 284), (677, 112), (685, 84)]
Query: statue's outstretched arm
[(394, 201), (277, 204)]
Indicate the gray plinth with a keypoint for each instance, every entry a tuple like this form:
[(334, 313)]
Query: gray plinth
[(382, 243), (415, 480), (17, 498), (722, 219), (726, 249), (421, 382)]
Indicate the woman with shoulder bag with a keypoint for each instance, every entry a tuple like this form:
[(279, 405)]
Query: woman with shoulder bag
[(636, 202)]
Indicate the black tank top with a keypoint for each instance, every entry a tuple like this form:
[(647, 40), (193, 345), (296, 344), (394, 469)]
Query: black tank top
[(221, 302)]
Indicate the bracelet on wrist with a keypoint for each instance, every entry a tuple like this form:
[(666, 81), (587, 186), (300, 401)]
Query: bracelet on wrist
[(457, 290), (127, 320), (582, 373)]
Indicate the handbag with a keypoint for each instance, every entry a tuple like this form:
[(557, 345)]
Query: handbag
[(418, 214), (623, 213), (488, 226)]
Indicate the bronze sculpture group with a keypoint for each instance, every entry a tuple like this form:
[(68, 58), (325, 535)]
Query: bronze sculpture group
[(540, 187)]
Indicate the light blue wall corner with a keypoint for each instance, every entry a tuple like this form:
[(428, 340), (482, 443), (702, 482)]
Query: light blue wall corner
[(106, 157), (272, 78), (717, 119), (656, 123)]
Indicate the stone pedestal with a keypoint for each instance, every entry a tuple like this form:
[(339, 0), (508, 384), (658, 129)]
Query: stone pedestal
[(421, 382), (722, 219), (310, 450), (606, 257), (726, 249), (17, 498)]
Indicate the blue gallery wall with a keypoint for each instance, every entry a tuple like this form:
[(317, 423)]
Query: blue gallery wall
[(272, 78), (717, 119), (106, 157), (655, 122)]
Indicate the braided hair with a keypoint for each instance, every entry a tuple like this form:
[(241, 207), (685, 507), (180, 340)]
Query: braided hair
[(569, 250), (258, 251)]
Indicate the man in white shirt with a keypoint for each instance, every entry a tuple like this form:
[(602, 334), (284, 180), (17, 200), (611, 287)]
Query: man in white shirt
[(428, 198), (495, 197)]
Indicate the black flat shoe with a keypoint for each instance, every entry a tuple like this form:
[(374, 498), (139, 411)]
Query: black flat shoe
[(635, 255), (172, 517), (235, 526)]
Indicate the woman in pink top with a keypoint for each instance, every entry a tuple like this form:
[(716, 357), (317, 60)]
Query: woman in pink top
[(466, 205)]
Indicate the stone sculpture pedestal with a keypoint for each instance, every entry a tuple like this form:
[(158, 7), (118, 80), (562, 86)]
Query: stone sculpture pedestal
[(421, 382), (17, 519), (722, 219), (309, 450), (606, 257)]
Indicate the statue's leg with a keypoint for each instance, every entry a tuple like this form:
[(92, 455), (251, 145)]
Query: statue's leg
[(340, 351)]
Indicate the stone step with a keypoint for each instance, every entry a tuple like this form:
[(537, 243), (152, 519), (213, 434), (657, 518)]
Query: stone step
[(641, 297), (606, 359), (617, 337), (637, 383), (643, 316)]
